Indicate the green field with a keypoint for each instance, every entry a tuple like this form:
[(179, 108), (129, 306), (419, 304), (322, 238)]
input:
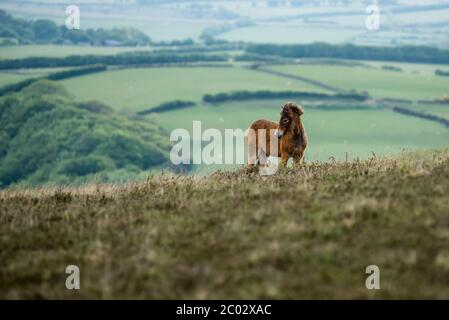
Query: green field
[(138, 89), (413, 68), (25, 51), (280, 33), (358, 133), (379, 83)]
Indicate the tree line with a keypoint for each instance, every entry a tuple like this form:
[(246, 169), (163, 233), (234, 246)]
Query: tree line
[(130, 58), (168, 106), (60, 75), (420, 54), (267, 94), (20, 31), (442, 73)]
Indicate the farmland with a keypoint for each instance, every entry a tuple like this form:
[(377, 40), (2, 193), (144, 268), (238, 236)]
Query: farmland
[(339, 132), (132, 90), (280, 33), (379, 83), (337, 129), (152, 86)]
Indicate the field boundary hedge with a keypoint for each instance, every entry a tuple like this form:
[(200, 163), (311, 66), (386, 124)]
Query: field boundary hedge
[(123, 59), (420, 54), (60, 75), (422, 115), (441, 73), (168, 106), (315, 83), (267, 94)]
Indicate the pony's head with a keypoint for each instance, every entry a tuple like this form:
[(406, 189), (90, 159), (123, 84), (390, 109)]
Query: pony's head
[(289, 118)]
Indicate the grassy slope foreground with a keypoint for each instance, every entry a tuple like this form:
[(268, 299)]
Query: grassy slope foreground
[(304, 234)]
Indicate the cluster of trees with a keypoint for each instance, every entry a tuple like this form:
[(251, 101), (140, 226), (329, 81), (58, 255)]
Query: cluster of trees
[(442, 73), (391, 68), (213, 45), (267, 94), (175, 43), (421, 54), (168, 106), (16, 30), (60, 75), (122, 59), (256, 57), (45, 136)]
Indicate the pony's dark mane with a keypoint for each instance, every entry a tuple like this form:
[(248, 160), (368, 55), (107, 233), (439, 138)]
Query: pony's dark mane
[(295, 111)]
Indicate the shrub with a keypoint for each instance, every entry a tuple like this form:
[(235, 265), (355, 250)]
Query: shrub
[(442, 73), (85, 165), (169, 106)]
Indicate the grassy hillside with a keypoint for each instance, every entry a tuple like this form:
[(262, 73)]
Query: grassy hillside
[(304, 234), (46, 136)]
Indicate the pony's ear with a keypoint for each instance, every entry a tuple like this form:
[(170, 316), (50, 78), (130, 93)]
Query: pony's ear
[(298, 110)]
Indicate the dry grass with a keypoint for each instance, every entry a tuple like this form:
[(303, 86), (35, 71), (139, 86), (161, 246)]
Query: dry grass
[(304, 234)]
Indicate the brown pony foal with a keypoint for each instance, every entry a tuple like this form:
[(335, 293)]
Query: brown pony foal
[(286, 139)]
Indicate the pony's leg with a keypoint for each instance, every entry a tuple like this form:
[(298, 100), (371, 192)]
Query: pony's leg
[(283, 163), (297, 160)]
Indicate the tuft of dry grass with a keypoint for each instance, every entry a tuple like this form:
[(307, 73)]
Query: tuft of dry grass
[(307, 233)]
